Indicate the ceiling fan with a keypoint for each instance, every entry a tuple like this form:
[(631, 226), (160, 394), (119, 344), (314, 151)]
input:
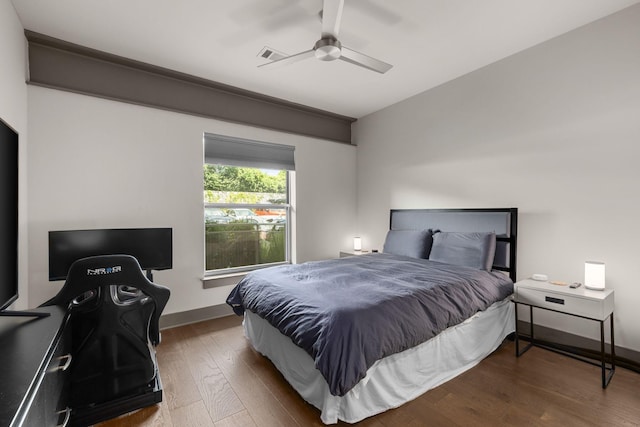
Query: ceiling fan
[(329, 48)]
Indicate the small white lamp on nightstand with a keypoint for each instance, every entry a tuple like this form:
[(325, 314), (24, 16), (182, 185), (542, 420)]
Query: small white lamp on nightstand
[(594, 275), (357, 244)]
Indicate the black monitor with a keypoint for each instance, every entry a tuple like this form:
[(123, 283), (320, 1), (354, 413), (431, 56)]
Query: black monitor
[(8, 216), (152, 247)]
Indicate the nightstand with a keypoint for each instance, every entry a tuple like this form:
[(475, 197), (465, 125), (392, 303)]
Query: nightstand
[(579, 302), (352, 253)]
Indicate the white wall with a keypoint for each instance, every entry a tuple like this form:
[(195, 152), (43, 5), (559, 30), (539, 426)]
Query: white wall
[(95, 163), (13, 110), (554, 131)]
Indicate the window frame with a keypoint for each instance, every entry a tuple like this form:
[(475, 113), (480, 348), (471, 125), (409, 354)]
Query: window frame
[(288, 235)]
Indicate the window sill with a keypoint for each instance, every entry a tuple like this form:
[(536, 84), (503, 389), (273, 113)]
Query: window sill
[(232, 278), (209, 282)]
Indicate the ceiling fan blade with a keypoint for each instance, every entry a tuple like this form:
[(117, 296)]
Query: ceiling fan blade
[(365, 61), (289, 59), (331, 16)]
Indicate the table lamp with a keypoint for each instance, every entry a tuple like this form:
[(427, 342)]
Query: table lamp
[(594, 275), (357, 244)]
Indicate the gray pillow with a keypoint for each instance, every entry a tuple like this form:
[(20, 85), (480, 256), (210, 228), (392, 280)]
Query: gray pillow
[(470, 249), (411, 243)]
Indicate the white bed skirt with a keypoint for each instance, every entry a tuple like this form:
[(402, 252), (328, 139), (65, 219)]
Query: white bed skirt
[(391, 381)]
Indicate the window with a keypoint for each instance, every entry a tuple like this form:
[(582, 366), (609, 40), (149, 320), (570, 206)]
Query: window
[(246, 204)]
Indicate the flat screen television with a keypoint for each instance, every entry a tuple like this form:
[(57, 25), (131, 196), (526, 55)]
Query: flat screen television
[(8, 215), (152, 247)]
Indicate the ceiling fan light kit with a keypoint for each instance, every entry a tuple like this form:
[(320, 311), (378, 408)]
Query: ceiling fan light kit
[(329, 48)]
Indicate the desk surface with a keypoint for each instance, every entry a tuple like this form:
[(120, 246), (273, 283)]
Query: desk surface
[(25, 343)]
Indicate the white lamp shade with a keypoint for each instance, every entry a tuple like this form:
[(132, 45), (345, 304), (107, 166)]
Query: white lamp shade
[(594, 275), (357, 244)]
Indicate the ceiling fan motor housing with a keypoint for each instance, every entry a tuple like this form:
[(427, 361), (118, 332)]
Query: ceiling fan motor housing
[(328, 49)]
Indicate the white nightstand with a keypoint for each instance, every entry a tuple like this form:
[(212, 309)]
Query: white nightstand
[(352, 253), (579, 302)]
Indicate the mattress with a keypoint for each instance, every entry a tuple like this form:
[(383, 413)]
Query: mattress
[(393, 380), (348, 313)]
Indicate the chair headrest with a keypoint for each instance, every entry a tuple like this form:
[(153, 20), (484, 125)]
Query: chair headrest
[(111, 269)]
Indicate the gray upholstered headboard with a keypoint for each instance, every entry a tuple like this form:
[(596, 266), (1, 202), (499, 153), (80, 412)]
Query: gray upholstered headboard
[(504, 222)]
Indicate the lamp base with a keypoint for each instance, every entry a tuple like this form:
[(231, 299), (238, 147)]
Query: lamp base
[(593, 288)]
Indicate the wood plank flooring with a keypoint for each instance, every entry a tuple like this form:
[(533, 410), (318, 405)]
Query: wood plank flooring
[(212, 377)]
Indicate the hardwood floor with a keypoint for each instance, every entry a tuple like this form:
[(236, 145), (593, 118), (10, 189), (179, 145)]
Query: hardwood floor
[(212, 377)]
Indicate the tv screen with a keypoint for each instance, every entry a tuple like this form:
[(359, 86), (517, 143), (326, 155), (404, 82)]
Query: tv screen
[(8, 215), (152, 247)]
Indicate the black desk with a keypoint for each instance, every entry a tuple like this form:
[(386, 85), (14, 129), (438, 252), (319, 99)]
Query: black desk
[(34, 355)]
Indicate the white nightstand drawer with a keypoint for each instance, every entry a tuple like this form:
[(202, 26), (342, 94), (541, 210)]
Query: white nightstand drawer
[(582, 302)]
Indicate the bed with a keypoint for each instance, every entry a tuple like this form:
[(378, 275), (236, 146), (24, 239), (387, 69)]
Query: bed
[(359, 335)]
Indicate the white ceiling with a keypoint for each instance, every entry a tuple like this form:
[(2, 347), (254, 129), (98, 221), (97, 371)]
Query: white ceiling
[(429, 42)]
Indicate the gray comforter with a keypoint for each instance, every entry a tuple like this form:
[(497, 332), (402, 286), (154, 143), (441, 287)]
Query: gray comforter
[(349, 312)]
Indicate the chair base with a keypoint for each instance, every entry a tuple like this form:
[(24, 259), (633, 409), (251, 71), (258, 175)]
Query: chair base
[(93, 414)]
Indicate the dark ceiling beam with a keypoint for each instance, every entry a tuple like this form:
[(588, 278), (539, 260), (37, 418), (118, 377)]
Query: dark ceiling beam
[(58, 64)]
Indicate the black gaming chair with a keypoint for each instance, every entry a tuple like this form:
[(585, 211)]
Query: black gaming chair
[(114, 315)]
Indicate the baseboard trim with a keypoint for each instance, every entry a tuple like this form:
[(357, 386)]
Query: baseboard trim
[(582, 346), (193, 316)]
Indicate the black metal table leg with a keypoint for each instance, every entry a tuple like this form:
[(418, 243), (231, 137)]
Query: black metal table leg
[(606, 379), (607, 372), (528, 346)]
